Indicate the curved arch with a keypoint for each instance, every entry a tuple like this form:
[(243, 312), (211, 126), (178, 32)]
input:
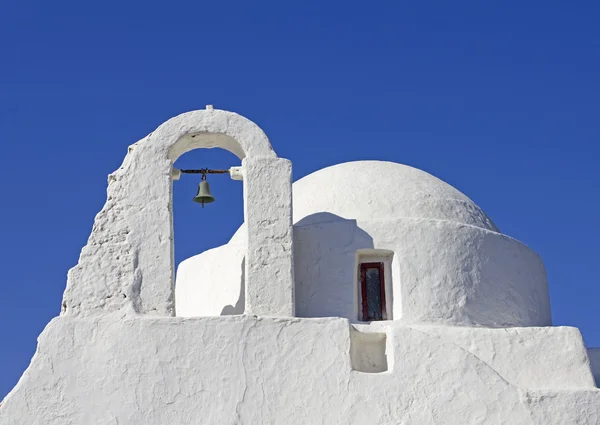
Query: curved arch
[(212, 128), (128, 262)]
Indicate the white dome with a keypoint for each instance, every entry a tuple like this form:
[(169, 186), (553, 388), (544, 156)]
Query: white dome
[(448, 263), (380, 190)]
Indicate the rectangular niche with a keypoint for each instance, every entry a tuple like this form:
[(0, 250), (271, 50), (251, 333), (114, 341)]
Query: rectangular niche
[(368, 351), (373, 285)]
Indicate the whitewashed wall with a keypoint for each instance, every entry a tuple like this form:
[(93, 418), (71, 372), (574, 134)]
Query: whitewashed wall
[(127, 265), (248, 370), (450, 264)]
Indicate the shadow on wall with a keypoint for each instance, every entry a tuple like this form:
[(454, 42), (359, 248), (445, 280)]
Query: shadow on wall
[(325, 248), (240, 305)]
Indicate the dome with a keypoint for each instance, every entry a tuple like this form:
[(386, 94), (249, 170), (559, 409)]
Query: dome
[(443, 260), (380, 190)]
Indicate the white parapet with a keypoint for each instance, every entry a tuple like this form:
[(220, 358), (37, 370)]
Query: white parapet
[(291, 371)]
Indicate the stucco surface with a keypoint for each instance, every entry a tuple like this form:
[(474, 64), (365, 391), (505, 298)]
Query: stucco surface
[(127, 265), (535, 358), (269, 260), (249, 370), (564, 407)]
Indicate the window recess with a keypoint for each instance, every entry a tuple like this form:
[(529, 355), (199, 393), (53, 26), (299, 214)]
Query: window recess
[(372, 291)]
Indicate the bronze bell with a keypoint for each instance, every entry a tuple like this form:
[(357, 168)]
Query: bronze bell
[(203, 196)]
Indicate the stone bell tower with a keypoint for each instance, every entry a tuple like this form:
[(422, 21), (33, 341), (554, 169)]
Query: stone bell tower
[(127, 265)]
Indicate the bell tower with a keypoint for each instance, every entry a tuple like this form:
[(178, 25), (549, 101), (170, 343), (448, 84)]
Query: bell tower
[(128, 263)]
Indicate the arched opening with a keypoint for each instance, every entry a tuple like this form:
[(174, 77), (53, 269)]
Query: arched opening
[(128, 262), (201, 235), (266, 253)]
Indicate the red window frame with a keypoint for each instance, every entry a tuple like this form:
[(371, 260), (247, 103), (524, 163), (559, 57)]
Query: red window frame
[(363, 290)]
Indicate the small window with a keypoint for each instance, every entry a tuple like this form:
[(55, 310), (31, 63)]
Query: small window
[(372, 291)]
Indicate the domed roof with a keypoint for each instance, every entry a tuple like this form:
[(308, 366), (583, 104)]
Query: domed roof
[(382, 190), (379, 191)]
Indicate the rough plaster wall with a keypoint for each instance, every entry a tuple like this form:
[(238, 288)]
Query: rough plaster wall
[(540, 358), (594, 356), (268, 218), (564, 407), (127, 264), (248, 370), (458, 274), (113, 265), (443, 272)]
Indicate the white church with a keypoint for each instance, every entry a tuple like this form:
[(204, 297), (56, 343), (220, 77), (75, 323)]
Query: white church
[(395, 303)]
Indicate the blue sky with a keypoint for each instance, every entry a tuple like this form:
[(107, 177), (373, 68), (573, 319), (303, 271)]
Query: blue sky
[(499, 99)]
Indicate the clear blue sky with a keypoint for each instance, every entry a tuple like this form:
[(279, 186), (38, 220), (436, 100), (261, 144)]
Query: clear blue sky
[(500, 99)]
